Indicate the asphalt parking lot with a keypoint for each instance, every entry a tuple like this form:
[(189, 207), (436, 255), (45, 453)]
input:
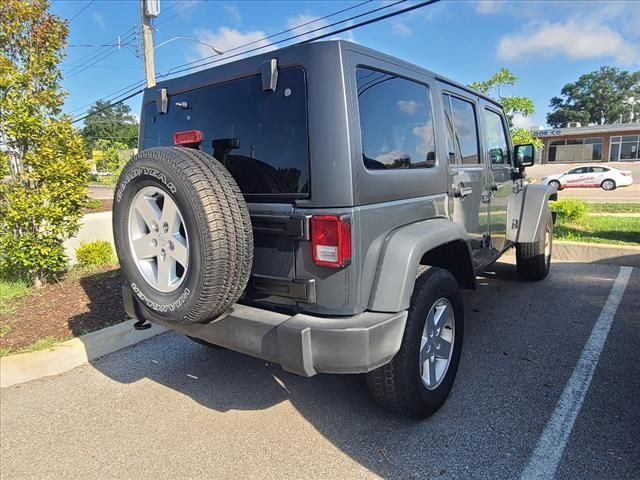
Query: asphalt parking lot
[(169, 408)]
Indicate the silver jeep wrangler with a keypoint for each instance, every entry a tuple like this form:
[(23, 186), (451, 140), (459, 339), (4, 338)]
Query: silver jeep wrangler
[(320, 207)]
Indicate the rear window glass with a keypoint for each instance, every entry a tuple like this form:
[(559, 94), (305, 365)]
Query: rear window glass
[(261, 137)]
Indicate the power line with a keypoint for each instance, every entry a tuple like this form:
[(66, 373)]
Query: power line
[(81, 10), (89, 57), (108, 106), (325, 35), (140, 82), (77, 68), (173, 70)]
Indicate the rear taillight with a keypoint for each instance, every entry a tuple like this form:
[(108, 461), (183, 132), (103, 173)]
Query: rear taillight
[(331, 240), (188, 138), (626, 173)]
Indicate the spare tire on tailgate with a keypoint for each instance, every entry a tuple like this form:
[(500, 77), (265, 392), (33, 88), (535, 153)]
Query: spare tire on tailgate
[(182, 233)]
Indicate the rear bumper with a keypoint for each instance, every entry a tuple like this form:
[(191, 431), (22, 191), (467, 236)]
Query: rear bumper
[(301, 344)]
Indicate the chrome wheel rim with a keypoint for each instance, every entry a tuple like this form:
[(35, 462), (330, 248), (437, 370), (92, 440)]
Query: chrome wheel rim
[(607, 185), (436, 345), (158, 239)]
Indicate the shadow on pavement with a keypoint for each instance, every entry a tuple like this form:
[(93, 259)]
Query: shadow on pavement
[(503, 343)]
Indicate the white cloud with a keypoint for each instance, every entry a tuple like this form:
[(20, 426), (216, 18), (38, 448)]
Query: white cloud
[(520, 121), (401, 29), (97, 17), (575, 39), (408, 106), (234, 13), (299, 25), (185, 8), (489, 7), (225, 39)]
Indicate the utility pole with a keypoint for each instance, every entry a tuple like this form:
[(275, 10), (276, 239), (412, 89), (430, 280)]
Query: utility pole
[(147, 39)]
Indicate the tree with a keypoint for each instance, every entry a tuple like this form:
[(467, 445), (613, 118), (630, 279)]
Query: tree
[(110, 122), (41, 206), (111, 160), (595, 98), (512, 104)]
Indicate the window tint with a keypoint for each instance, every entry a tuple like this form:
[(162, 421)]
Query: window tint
[(450, 135), (598, 169), (578, 170), (496, 139), (465, 129), (271, 127), (395, 121)]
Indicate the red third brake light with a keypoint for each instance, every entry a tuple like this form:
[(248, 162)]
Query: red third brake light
[(331, 240), (188, 138)]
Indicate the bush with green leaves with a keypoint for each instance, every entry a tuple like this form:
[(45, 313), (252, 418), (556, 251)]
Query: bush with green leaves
[(92, 203), (95, 254), (569, 210), (42, 203)]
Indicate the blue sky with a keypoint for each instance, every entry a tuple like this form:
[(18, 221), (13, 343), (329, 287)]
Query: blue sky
[(546, 44)]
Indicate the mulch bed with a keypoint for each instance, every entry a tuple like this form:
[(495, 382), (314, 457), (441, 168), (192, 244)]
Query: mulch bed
[(78, 305), (105, 206)]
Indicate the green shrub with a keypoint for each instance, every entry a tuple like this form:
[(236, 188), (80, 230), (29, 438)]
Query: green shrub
[(569, 210), (93, 203), (94, 254)]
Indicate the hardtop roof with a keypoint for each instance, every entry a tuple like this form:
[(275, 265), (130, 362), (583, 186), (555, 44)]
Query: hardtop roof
[(253, 63)]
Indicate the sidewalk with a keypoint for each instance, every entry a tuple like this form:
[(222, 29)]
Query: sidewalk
[(93, 226)]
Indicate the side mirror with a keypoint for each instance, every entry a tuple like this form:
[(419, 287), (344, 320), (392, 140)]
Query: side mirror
[(523, 155)]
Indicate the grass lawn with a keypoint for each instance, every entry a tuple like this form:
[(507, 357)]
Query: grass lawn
[(10, 292), (601, 229), (614, 207)]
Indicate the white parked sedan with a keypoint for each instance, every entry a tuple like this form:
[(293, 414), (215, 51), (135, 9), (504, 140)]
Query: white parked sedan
[(590, 176)]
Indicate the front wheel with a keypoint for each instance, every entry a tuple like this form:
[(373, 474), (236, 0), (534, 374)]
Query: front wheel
[(533, 259), (417, 381), (556, 184)]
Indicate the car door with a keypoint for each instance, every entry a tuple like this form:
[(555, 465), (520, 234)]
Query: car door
[(576, 177), (496, 150), (597, 175), (470, 203)]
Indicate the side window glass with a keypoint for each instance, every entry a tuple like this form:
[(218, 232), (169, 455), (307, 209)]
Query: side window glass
[(396, 121), (450, 135), (496, 139), (465, 130)]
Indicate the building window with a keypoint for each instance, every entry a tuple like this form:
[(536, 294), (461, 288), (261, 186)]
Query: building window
[(395, 121), (629, 147), (576, 150)]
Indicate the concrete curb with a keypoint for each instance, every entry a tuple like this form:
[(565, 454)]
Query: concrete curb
[(24, 367), (621, 255)]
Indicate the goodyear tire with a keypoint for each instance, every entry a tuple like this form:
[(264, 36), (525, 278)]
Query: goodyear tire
[(419, 378), (183, 234), (533, 260)]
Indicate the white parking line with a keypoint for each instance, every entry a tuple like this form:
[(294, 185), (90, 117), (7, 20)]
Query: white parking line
[(544, 460)]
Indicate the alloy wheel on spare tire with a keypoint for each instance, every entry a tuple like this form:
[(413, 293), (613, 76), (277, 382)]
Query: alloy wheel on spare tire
[(182, 233)]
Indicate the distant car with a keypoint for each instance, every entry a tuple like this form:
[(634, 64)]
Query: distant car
[(590, 176)]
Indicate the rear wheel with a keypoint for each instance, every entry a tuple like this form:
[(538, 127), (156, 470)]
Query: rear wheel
[(608, 185), (418, 379), (533, 259), (182, 233)]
